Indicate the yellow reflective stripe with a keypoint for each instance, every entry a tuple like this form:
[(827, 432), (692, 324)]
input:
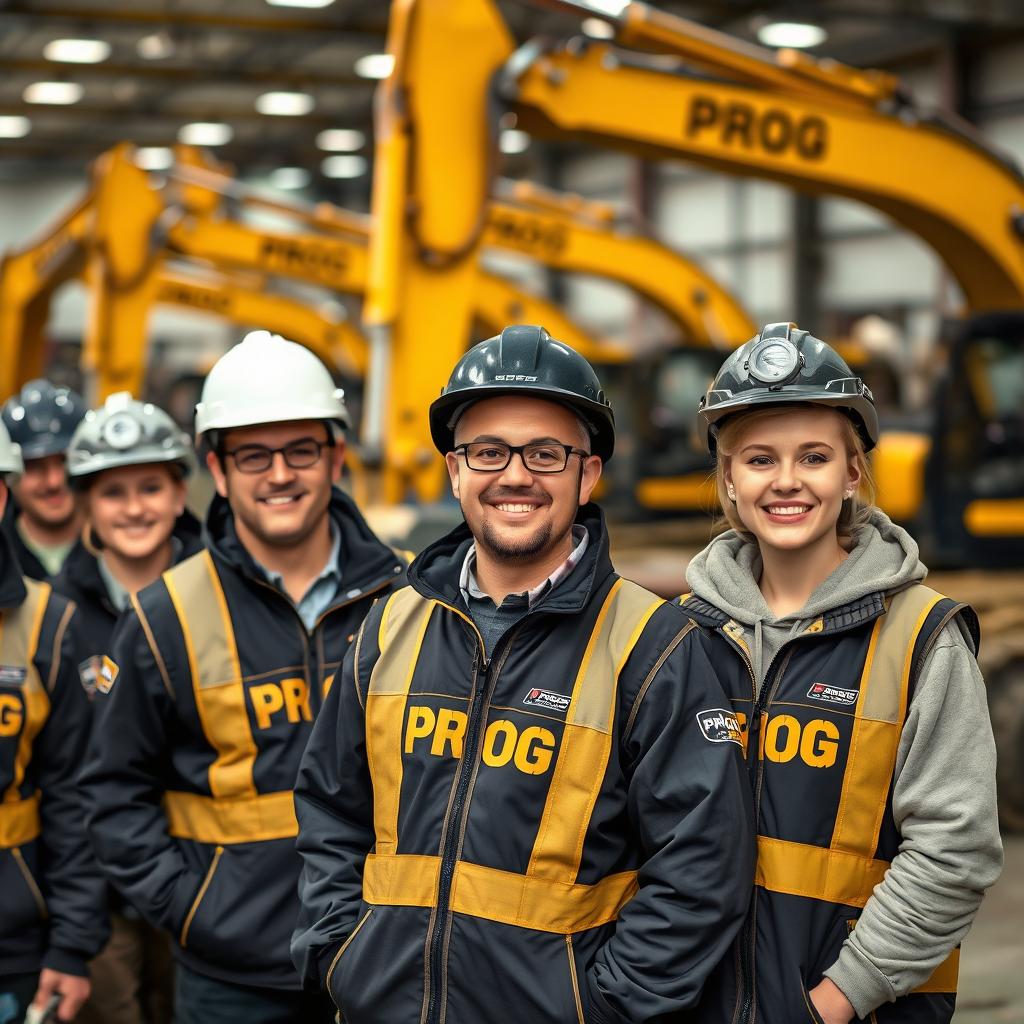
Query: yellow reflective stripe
[(881, 710), (403, 624), (223, 822), (528, 902), (19, 640), (816, 872), (945, 977), (19, 822), (587, 736), (209, 635)]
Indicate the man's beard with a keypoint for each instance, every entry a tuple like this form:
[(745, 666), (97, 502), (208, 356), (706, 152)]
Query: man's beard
[(523, 550)]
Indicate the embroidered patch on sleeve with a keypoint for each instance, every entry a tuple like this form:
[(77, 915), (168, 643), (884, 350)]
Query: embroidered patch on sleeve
[(720, 726)]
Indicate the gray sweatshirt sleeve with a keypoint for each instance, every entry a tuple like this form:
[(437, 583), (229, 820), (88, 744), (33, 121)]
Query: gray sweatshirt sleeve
[(944, 804)]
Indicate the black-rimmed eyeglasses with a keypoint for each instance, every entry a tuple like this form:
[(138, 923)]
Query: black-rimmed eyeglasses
[(258, 458), (539, 457)]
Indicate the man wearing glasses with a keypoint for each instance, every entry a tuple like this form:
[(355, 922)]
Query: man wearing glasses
[(216, 675), (525, 798)]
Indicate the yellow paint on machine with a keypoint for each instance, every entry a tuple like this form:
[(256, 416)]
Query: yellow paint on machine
[(898, 467), (995, 517), (694, 491)]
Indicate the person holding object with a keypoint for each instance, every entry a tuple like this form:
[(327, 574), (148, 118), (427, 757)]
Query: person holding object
[(864, 714), (53, 912), (128, 461), (524, 799), (222, 665)]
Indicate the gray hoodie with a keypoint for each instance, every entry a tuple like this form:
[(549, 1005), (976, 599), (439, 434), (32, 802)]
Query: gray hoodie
[(944, 797)]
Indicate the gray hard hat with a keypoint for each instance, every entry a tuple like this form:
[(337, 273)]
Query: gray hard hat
[(127, 432), (42, 417), (781, 366)]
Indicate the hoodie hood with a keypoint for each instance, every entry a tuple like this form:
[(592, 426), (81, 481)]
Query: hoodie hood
[(884, 559)]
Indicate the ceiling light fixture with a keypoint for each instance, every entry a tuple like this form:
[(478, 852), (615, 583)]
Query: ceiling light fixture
[(14, 127), (344, 166), (796, 34), (56, 93), (597, 28), (300, 3), (154, 158), (512, 140), (340, 140), (205, 133), (156, 46), (285, 104), (375, 65), (77, 51), (289, 177)]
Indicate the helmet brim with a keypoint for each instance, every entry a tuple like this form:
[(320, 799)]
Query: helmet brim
[(444, 410), (861, 411)]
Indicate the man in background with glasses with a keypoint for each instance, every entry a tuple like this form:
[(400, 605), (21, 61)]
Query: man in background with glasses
[(216, 675), (525, 799)]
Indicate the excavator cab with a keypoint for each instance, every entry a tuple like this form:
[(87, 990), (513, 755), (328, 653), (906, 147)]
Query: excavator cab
[(655, 398), (974, 473)]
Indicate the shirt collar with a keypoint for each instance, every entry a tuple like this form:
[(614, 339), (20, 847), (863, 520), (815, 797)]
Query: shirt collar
[(331, 571), (471, 589)]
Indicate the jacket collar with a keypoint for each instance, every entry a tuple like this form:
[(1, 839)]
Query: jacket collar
[(364, 560), (436, 572), (839, 620)]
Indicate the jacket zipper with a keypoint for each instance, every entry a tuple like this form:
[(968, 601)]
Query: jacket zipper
[(33, 887), (341, 950), (748, 1012), (310, 657), (210, 872), (450, 847), (575, 979)]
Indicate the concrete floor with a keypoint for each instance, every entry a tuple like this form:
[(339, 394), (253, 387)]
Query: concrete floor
[(992, 961)]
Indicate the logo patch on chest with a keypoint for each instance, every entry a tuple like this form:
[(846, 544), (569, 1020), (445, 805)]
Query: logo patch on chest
[(12, 675), (720, 726), (547, 699), (833, 694), (98, 674)]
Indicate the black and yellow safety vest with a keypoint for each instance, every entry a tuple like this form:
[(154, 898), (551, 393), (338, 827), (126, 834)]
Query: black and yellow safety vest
[(502, 850), (24, 707), (238, 680), (822, 739), (53, 909)]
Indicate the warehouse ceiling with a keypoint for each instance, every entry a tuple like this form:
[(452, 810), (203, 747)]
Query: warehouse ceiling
[(176, 62)]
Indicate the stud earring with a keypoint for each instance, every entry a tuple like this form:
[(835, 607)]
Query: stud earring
[(732, 493), (847, 495)]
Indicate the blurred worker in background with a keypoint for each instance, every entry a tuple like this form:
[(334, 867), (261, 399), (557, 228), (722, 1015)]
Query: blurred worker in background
[(866, 723), (43, 522), (221, 666), (129, 461), (523, 800), (52, 908)]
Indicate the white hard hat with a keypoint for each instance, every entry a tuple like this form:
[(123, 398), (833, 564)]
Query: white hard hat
[(10, 454), (267, 379), (126, 432)]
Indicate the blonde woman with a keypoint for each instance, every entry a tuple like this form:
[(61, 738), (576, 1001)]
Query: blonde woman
[(862, 708)]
